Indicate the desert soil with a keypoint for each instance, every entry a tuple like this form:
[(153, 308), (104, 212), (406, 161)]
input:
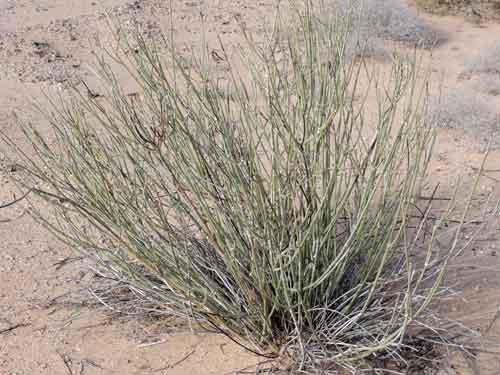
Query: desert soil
[(45, 45)]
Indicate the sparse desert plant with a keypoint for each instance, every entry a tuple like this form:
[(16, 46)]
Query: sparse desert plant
[(488, 61), (464, 110), (438, 6), (478, 9), (279, 216), (377, 20)]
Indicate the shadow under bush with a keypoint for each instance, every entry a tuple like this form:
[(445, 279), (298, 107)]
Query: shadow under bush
[(279, 216)]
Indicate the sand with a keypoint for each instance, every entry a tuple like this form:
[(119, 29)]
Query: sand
[(46, 45)]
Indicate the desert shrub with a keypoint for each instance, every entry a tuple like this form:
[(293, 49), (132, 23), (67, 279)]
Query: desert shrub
[(464, 110), (479, 9), (279, 216), (441, 5), (488, 61), (377, 20)]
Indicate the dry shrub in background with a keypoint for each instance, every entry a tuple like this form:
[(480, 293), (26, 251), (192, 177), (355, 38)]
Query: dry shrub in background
[(477, 10), (488, 62), (375, 21), (483, 71), (464, 110), (441, 5), (267, 215)]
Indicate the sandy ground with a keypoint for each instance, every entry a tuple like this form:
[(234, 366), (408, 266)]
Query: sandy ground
[(47, 44)]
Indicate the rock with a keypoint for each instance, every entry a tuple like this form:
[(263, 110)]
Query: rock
[(41, 48)]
